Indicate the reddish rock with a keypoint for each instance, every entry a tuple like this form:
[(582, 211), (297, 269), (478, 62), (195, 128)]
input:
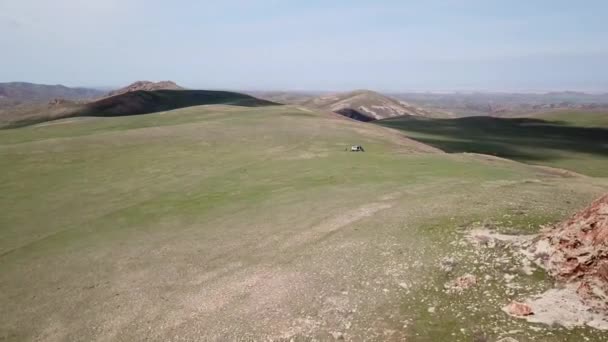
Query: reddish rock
[(519, 309), (579, 252)]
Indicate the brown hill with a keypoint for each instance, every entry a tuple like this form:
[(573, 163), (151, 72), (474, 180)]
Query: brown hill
[(146, 86), (365, 105)]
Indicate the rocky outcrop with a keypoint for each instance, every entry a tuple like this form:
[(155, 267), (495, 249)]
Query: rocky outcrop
[(146, 86), (576, 251)]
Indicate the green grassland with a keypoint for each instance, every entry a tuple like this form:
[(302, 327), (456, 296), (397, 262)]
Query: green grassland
[(572, 140), (576, 117), (225, 223)]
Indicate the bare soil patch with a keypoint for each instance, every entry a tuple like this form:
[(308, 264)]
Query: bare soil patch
[(575, 253)]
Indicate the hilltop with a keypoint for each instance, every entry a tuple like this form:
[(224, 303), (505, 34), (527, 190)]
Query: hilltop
[(146, 86), (18, 93), (365, 105)]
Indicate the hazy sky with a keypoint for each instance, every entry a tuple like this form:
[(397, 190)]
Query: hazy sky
[(314, 44)]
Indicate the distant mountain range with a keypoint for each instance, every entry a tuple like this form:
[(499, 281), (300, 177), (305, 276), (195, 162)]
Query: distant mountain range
[(16, 93), (505, 104), (465, 103)]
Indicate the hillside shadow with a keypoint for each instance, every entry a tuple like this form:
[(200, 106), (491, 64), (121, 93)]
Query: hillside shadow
[(354, 114), (523, 139), (131, 103), (146, 102)]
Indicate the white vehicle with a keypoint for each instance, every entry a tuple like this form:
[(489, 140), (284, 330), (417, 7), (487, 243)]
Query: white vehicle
[(357, 148)]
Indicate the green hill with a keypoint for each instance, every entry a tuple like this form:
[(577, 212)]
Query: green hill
[(579, 118), (573, 140), (232, 222)]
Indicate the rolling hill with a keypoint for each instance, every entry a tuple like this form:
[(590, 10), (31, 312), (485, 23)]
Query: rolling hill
[(571, 139), (286, 97), (226, 223), (365, 105), (132, 102), (16, 93)]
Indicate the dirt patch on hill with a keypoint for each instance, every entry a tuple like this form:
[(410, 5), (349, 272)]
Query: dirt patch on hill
[(562, 306), (337, 222), (575, 253)]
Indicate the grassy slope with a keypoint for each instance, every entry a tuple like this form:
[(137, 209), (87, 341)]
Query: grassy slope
[(224, 222), (576, 118), (575, 141)]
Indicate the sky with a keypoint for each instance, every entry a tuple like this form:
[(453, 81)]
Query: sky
[(385, 45)]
